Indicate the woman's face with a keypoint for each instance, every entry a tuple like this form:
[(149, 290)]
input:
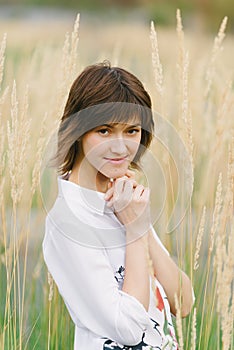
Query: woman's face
[(110, 148)]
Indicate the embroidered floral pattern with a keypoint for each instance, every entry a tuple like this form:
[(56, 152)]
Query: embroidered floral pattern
[(119, 274)]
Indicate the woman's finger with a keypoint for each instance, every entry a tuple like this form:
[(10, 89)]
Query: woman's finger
[(145, 196), (109, 193), (119, 184), (130, 174), (135, 184), (138, 191), (110, 203), (110, 183), (118, 187), (128, 189)]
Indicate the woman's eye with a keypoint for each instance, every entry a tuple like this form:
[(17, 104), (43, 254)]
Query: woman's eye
[(103, 131), (133, 131)]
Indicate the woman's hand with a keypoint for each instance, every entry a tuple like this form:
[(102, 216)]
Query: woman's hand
[(131, 203), (110, 189)]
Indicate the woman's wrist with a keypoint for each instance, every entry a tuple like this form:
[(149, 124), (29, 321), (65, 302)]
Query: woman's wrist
[(133, 234)]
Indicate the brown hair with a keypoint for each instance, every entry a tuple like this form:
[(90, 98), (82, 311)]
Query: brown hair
[(101, 94)]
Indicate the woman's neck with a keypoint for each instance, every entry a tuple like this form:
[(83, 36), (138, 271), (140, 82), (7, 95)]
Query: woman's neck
[(85, 176)]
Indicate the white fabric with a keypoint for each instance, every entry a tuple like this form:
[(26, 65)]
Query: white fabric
[(84, 250)]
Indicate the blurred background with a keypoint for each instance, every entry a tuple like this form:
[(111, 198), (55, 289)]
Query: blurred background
[(197, 14), (190, 80)]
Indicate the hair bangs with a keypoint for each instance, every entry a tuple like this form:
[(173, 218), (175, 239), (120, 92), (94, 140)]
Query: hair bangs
[(121, 113), (115, 112)]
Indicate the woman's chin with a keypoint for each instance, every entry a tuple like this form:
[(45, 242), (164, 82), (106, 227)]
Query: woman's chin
[(115, 173)]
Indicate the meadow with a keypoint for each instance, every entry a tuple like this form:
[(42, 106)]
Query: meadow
[(189, 75)]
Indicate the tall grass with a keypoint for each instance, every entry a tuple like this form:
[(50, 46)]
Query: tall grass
[(192, 88)]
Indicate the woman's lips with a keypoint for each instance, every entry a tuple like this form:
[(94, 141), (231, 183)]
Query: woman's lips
[(116, 160)]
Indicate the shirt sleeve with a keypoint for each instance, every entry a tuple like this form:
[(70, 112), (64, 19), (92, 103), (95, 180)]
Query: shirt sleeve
[(86, 282)]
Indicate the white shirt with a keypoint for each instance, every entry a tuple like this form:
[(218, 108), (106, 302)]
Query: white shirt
[(84, 250)]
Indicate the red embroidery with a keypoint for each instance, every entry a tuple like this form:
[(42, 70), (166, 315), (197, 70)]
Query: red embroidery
[(160, 304)]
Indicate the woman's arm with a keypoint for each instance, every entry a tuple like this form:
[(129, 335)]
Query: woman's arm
[(136, 280), (137, 222), (173, 280), (131, 204)]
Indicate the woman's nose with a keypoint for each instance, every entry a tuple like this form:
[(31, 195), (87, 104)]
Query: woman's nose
[(118, 146)]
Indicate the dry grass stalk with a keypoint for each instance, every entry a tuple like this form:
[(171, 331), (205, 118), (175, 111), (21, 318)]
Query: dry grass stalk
[(157, 66), (224, 264), (228, 203), (18, 136), (2, 57), (185, 120), (2, 162), (216, 212), (214, 227), (183, 66), (3, 97), (51, 286), (38, 268), (35, 183), (179, 323), (74, 47), (38, 159), (229, 199), (227, 278), (217, 47), (224, 257), (3, 241), (194, 333), (2, 100), (179, 28), (222, 132), (232, 314), (199, 239), (209, 96), (51, 293), (69, 64)]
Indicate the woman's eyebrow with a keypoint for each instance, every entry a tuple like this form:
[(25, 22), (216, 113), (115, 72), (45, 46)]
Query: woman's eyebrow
[(128, 125), (134, 125)]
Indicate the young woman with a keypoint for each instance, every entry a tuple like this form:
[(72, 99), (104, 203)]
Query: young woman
[(99, 239)]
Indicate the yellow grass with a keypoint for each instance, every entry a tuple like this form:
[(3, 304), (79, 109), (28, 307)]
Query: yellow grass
[(190, 79)]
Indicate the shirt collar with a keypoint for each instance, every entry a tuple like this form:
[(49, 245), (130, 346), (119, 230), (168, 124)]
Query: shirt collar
[(92, 200)]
